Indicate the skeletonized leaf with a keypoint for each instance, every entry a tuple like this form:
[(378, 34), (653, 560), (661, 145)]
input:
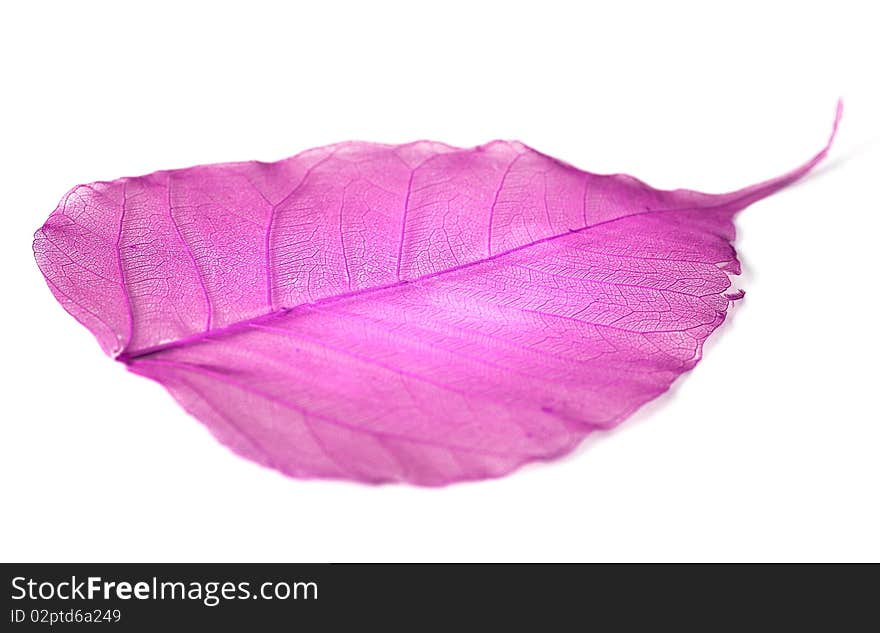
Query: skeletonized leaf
[(416, 312)]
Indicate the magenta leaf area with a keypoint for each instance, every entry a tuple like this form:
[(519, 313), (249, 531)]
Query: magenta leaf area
[(417, 313)]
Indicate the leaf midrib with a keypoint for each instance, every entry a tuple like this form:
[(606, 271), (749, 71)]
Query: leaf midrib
[(126, 356)]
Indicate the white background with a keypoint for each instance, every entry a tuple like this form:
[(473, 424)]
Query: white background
[(769, 450)]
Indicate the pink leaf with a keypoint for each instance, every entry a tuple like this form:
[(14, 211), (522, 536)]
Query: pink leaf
[(417, 312)]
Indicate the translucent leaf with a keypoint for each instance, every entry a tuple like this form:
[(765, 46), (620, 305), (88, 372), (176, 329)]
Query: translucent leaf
[(415, 313)]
